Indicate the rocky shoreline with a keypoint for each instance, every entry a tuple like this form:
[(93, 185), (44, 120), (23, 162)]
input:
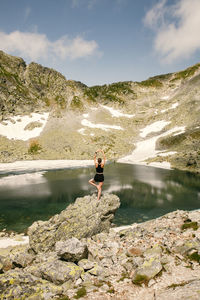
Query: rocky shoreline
[(78, 254)]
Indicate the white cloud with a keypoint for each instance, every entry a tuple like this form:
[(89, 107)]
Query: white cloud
[(26, 44), (177, 28), (76, 48), (156, 14), (34, 46)]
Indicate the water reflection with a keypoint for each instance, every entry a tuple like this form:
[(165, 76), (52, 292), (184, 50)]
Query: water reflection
[(145, 193)]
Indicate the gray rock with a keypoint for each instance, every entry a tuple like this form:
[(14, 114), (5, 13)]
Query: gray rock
[(184, 291), (23, 259), (187, 246), (19, 284), (148, 270), (71, 250), (59, 272), (155, 251), (85, 218), (86, 264)]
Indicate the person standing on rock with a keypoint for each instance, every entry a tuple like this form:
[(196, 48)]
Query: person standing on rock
[(99, 177)]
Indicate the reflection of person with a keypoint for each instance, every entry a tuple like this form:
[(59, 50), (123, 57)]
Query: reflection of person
[(99, 177)]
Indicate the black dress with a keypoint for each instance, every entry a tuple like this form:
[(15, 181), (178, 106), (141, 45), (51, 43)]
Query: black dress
[(99, 177)]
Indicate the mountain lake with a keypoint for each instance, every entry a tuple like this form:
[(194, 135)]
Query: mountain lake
[(145, 193)]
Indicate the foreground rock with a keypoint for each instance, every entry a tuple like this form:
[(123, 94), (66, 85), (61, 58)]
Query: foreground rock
[(157, 259), (84, 218)]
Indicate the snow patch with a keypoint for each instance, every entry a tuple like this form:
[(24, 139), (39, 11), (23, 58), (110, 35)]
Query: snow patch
[(116, 113), (172, 107), (43, 165), (175, 105), (165, 97), (167, 153), (85, 115), (15, 128), (105, 127), (147, 149), (7, 242), (163, 164), (82, 131), (181, 130), (154, 127)]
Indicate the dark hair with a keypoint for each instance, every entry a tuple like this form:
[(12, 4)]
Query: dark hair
[(99, 160)]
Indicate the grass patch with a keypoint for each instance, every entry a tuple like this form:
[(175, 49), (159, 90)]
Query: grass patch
[(60, 101), (186, 73), (80, 293), (111, 291), (139, 279), (34, 147), (188, 225), (175, 285), (99, 284), (76, 103), (194, 256), (123, 276), (110, 92), (151, 82)]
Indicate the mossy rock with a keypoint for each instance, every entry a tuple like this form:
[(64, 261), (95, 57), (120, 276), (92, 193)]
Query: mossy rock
[(80, 293)]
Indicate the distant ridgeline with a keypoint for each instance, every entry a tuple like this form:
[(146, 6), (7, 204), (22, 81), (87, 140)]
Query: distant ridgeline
[(77, 121)]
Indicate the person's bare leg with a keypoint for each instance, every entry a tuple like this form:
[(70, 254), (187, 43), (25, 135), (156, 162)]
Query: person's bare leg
[(99, 190), (91, 181)]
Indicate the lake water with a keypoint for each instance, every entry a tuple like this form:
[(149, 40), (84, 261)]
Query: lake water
[(145, 193)]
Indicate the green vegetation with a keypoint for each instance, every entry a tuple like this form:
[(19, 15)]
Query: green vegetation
[(111, 92), (193, 225), (64, 298), (174, 285), (123, 276), (162, 76), (34, 147), (151, 82), (194, 256), (139, 279), (186, 73), (80, 293), (47, 101), (111, 291), (60, 101), (76, 103)]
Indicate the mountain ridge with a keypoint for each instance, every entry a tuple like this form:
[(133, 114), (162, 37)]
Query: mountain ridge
[(80, 117)]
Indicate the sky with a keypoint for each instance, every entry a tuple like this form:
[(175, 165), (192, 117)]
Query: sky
[(103, 41)]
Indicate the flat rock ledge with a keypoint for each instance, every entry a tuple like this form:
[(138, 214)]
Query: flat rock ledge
[(155, 260)]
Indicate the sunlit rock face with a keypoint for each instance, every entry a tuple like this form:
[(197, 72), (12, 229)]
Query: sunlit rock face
[(45, 116), (86, 217)]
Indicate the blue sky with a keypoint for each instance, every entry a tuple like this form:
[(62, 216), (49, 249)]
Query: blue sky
[(103, 41)]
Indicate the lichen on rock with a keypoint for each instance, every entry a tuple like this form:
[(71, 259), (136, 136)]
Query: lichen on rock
[(84, 218)]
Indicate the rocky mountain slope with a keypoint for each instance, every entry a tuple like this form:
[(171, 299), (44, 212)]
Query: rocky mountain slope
[(45, 116)]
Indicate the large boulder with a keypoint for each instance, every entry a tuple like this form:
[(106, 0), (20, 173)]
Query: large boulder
[(85, 218)]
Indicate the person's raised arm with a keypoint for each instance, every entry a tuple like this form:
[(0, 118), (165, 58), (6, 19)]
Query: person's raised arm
[(104, 157), (95, 158)]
